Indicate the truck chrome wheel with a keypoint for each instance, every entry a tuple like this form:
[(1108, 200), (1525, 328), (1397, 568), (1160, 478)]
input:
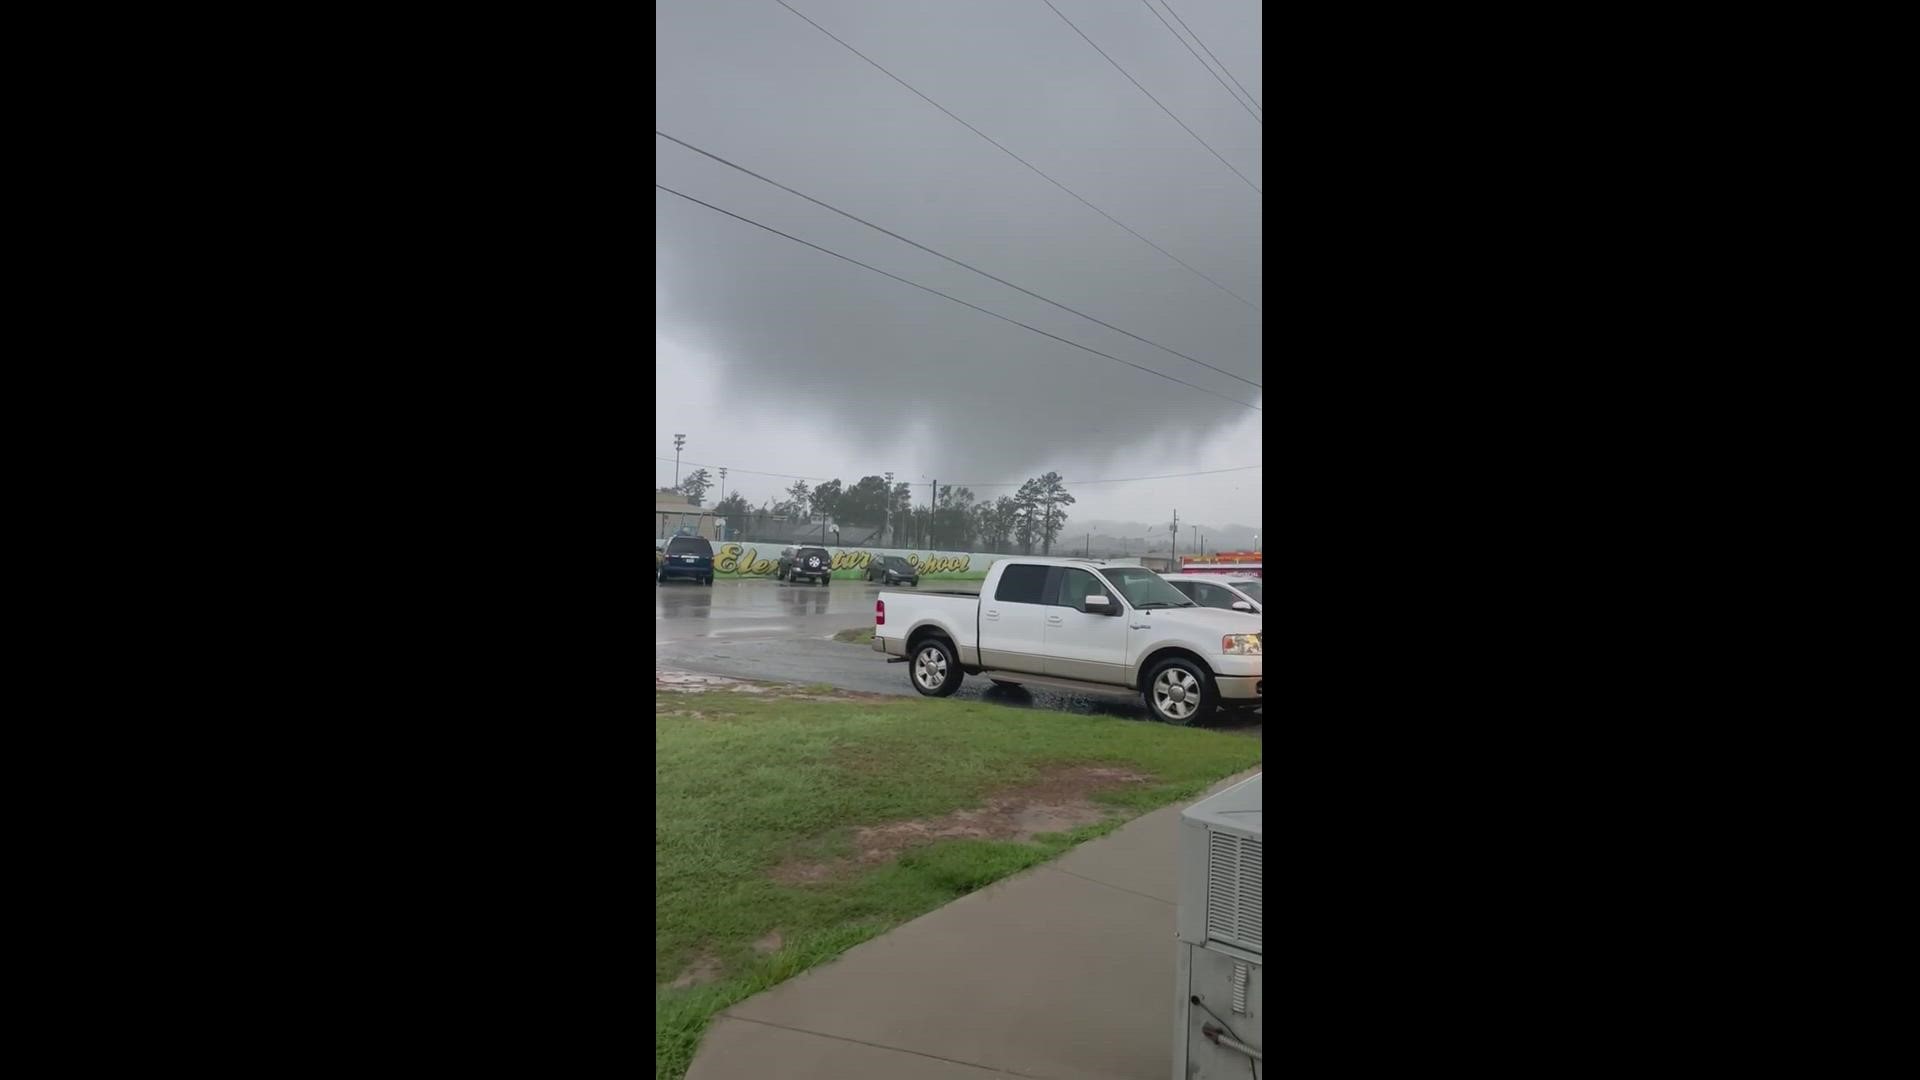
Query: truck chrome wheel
[(936, 667), (930, 668), (1177, 695)]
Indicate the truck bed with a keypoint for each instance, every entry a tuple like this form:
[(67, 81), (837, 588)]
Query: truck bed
[(959, 620)]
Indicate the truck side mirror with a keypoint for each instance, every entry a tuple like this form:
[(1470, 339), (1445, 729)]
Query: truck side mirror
[(1242, 605), (1097, 605)]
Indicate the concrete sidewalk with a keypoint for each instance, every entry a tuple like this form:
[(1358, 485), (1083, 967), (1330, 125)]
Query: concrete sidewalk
[(1065, 971)]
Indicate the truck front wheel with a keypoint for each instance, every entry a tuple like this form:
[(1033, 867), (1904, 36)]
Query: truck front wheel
[(1181, 692), (936, 671)]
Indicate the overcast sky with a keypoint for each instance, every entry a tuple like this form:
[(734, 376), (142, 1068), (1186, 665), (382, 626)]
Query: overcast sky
[(774, 357)]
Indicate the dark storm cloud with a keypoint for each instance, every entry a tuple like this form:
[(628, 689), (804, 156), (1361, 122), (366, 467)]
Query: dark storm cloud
[(838, 358)]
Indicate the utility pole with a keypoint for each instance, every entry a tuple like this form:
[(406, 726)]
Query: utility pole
[(1173, 543), (678, 442), (723, 498), (886, 530)]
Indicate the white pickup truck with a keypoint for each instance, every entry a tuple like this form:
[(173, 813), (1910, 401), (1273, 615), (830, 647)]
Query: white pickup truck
[(1080, 625)]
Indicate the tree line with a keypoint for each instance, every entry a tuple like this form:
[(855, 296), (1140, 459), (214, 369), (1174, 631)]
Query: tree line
[(1035, 514)]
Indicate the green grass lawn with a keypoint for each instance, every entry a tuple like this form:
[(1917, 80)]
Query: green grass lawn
[(860, 636), (747, 784)]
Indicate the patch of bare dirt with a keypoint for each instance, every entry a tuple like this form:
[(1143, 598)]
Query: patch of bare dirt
[(866, 759), (818, 692), (800, 872), (703, 970), (1056, 801)]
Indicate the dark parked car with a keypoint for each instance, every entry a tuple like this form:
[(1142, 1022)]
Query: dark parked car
[(688, 557), (893, 570), (811, 563)]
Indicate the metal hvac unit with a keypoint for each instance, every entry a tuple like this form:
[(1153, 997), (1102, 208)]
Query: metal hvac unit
[(1218, 1000)]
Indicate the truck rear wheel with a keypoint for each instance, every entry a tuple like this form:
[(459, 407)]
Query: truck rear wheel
[(1181, 692), (936, 671)]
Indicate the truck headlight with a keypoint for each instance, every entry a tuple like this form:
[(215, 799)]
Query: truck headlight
[(1240, 644)]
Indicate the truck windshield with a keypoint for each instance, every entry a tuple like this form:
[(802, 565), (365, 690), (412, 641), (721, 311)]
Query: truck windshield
[(1143, 588)]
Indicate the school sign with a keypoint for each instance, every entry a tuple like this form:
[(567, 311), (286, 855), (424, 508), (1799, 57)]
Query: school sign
[(760, 561)]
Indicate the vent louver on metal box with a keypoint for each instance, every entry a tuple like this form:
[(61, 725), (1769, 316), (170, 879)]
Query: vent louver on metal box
[(1233, 890)]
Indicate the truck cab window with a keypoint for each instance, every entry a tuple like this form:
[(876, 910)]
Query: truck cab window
[(1076, 586), (1024, 584)]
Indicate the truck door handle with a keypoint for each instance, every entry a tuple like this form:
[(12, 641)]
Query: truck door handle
[(1053, 620), (993, 614)]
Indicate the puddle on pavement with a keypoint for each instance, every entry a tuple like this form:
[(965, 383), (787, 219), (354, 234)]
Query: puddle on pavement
[(692, 682), (687, 682)]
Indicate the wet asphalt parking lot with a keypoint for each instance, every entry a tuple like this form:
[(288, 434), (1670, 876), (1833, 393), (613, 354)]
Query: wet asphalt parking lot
[(780, 632)]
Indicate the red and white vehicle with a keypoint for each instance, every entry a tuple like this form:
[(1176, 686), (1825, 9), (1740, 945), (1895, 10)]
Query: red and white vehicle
[(1233, 569), (1238, 563)]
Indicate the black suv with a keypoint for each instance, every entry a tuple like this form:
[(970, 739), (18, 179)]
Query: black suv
[(807, 562), (893, 570), (689, 557)]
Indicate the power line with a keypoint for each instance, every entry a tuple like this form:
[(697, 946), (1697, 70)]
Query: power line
[(951, 259), (1150, 97), (957, 300), (1122, 479), (1169, 476), (1021, 160), (974, 483), (1209, 52), (1203, 63), (756, 472)]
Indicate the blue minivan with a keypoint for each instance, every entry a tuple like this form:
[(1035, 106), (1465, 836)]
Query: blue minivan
[(688, 557)]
